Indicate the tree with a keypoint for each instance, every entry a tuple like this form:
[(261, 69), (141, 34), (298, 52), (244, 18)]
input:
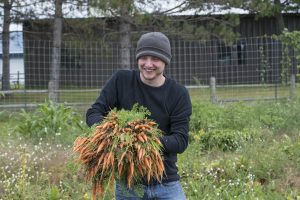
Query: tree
[(16, 10), (54, 79), (13, 11), (56, 52), (125, 29), (156, 15), (198, 19), (125, 11), (272, 8), (7, 5)]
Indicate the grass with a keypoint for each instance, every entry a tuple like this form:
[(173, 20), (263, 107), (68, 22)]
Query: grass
[(242, 93), (40, 97), (233, 93), (265, 165), (260, 170)]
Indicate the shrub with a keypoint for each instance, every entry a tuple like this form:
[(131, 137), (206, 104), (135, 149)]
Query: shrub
[(51, 121), (205, 116), (279, 116), (238, 116), (226, 139)]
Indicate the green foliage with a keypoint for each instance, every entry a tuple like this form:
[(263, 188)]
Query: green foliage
[(225, 29), (291, 149), (4, 116), (289, 40), (7, 124), (262, 8), (219, 126), (208, 116), (243, 151), (279, 116), (264, 165), (260, 169), (237, 116), (264, 66), (205, 116), (273, 162), (226, 139), (231, 126), (273, 117), (136, 113), (54, 193), (50, 121)]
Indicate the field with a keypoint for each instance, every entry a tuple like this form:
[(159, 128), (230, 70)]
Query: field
[(237, 151), (30, 98)]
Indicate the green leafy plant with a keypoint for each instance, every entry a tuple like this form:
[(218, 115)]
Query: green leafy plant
[(50, 120), (266, 166), (226, 139), (289, 39), (279, 116), (205, 116)]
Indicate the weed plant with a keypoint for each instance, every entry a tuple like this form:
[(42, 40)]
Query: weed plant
[(243, 151), (50, 121), (236, 151)]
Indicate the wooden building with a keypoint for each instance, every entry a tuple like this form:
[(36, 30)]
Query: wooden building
[(252, 58)]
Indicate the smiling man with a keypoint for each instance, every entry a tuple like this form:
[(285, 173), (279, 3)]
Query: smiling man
[(168, 102)]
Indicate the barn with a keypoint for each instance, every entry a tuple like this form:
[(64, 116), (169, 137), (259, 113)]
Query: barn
[(87, 61)]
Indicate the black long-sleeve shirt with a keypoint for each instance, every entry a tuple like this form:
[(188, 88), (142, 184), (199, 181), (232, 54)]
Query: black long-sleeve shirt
[(169, 104)]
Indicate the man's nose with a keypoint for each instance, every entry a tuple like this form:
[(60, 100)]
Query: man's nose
[(148, 61)]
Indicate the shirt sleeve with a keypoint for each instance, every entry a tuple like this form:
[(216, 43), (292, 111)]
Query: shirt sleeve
[(177, 140), (104, 103)]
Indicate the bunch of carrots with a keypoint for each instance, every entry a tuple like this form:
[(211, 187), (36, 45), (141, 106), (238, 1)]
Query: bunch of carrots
[(125, 146)]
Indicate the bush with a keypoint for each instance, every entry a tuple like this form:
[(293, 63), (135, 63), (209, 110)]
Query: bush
[(238, 116), (226, 139), (50, 121), (221, 176), (207, 116), (259, 170), (279, 116), (227, 126)]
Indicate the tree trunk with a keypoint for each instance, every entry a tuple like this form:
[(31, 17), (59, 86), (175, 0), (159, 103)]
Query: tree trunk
[(125, 45), (125, 39), (56, 53), (279, 18), (5, 47)]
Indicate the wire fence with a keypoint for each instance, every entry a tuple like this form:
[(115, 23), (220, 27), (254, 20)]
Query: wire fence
[(216, 70)]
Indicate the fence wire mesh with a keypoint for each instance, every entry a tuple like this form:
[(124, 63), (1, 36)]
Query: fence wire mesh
[(245, 69)]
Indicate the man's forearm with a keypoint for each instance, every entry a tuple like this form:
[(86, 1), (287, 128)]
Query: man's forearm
[(93, 117)]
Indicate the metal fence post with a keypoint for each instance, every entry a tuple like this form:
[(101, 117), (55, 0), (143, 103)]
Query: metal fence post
[(213, 95)]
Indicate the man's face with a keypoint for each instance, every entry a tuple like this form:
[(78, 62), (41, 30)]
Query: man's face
[(151, 70)]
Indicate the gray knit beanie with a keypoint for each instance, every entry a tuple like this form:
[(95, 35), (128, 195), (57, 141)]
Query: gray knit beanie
[(154, 44)]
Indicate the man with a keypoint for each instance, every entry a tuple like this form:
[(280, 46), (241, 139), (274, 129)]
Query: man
[(168, 102)]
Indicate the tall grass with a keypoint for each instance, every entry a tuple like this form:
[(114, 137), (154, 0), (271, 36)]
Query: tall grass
[(243, 151), (236, 151)]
